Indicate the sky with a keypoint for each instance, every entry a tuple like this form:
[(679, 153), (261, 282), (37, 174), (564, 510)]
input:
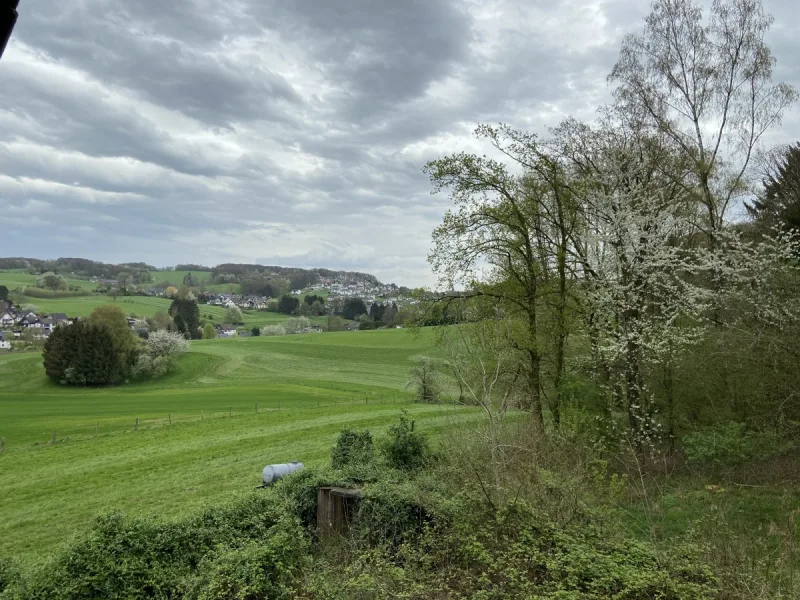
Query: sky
[(284, 132)]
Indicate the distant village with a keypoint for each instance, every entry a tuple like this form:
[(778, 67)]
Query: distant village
[(16, 323)]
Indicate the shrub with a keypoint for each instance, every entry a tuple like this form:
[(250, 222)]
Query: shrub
[(209, 333), (296, 324), (352, 447), (37, 292), (405, 448), (265, 568), (731, 444), (83, 354), (144, 558), (158, 353), (273, 330)]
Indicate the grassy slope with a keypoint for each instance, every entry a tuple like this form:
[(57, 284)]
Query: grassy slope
[(143, 306), (17, 278), (47, 491)]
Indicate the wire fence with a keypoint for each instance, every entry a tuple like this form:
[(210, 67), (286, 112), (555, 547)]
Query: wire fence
[(115, 425)]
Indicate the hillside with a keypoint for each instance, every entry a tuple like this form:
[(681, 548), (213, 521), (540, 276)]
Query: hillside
[(217, 444)]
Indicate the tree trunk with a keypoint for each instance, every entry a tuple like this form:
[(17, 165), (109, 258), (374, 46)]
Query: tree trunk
[(534, 383)]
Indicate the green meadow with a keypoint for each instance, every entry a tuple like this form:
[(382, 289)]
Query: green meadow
[(306, 388), (140, 306)]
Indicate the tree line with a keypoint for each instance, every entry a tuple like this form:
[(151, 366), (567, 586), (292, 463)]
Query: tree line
[(613, 258)]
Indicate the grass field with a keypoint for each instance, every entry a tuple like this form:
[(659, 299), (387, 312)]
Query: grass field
[(307, 388), (141, 306), (144, 306), (18, 278)]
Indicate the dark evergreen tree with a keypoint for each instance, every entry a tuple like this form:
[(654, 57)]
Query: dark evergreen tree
[(779, 203), (353, 307), (83, 354), (186, 315), (255, 331), (288, 305), (54, 353), (3, 293)]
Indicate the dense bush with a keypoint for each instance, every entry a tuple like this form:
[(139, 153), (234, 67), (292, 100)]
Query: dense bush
[(272, 330), (157, 353), (83, 354), (404, 448), (352, 447), (186, 316), (413, 535), (138, 558), (731, 443), (288, 305), (37, 292)]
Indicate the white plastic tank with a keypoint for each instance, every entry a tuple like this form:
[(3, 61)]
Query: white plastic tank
[(274, 472)]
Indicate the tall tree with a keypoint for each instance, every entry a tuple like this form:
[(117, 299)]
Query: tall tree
[(708, 86), (494, 242), (778, 205), (186, 315), (288, 305), (353, 307), (114, 321), (189, 281), (3, 293)]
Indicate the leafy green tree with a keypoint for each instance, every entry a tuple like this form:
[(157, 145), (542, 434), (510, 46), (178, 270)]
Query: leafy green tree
[(159, 321), (353, 307), (55, 356), (51, 281), (124, 282), (83, 354), (209, 332), (311, 299), (255, 331), (335, 323), (186, 314), (113, 319), (288, 305), (233, 315), (189, 280), (3, 293)]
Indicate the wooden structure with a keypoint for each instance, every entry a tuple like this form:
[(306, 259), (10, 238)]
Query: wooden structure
[(335, 509)]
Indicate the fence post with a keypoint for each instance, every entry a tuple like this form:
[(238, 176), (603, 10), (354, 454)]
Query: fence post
[(256, 407), (96, 429), (201, 416), (170, 418), (54, 436), (2, 445), (136, 427)]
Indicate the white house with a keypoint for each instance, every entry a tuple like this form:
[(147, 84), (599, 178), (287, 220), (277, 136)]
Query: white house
[(7, 319), (5, 344), (226, 330)]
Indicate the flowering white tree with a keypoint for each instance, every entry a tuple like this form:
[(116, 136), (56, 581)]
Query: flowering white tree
[(158, 353)]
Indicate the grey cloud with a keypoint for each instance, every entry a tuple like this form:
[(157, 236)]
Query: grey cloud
[(283, 132)]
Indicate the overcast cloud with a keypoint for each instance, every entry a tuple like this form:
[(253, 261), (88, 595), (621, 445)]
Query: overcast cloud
[(287, 132)]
